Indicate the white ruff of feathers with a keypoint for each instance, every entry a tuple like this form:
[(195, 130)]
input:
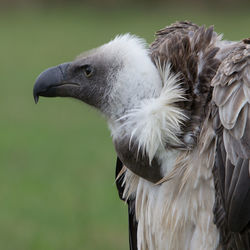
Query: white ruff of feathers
[(156, 121), (133, 78)]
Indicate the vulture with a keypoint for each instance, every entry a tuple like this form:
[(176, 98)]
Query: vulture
[(179, 115)]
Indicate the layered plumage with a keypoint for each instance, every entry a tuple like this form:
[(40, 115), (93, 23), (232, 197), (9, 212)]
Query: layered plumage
[(179, 116)]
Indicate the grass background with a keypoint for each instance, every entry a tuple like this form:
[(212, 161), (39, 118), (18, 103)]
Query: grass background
[(57, 161)]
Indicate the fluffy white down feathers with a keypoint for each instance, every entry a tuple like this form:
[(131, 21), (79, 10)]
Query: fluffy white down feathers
[(156, 121), (134, 77)]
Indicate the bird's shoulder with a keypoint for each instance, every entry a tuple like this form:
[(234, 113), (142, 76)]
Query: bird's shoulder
[(191, 51)]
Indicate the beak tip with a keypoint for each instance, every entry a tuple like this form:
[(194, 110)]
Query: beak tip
[(36, 98)]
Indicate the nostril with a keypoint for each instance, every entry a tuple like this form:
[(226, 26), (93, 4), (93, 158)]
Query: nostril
[(63, 68)]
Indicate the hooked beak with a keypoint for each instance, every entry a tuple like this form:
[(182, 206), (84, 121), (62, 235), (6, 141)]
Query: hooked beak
[(55, 82)]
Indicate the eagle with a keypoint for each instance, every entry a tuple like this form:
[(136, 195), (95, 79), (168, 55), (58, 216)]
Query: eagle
[(179, 115)]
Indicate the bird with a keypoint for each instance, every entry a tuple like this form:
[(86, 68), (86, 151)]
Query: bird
[(179, 115)]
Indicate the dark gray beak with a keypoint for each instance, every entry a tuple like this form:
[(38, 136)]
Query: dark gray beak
[(54, 82)]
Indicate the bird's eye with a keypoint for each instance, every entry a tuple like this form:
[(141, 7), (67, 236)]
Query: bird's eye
[(88, 70)]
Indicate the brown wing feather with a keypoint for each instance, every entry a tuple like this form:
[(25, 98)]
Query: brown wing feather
[(191, 51), (231, 170)]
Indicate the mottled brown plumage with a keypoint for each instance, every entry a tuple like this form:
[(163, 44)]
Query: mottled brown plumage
[(231, 116), (191, 50)]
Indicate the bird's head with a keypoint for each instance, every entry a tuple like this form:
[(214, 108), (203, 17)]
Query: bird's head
[(113, 78)]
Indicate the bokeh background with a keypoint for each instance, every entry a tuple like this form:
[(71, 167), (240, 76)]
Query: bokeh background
[(57, 162)]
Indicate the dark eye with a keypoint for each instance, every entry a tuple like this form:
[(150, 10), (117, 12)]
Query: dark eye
[(88, 70)]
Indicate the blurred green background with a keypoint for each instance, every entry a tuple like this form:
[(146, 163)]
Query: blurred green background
[(57, 161)]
